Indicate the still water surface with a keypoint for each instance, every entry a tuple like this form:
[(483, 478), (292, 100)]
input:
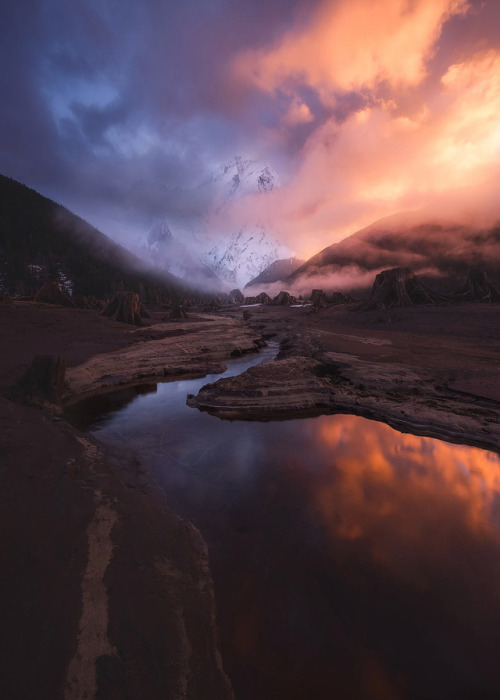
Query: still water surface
[(349, 560)]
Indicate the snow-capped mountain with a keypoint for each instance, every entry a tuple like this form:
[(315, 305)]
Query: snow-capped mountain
[(230, 237), (169, 253), (243, 255), (240, 254)]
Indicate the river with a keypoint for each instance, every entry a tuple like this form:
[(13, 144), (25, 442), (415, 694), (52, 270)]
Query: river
[(349, 560)]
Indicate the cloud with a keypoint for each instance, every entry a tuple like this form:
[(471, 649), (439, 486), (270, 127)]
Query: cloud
[(350, 45), (364, 107), (385, 158)]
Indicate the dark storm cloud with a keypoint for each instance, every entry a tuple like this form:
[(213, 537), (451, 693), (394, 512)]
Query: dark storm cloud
[(101, 95), (128, 105)]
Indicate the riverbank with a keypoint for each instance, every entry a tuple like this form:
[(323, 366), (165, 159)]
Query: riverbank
[(107, 588), (433, 371), (105, 591)]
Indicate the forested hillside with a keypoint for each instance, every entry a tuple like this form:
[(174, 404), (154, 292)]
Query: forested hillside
[(41, 240)]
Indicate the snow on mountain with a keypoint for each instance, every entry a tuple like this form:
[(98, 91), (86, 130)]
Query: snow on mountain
[(170, 254), (243, 255), (235, 247), (239, 255)]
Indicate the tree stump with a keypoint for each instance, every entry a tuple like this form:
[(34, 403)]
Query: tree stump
[(126, 307), (283, 299), (177, 313), (262, 298), (236, 297), (51, 293), (399, 288), (43, 381), (478, 288), (319, 299)]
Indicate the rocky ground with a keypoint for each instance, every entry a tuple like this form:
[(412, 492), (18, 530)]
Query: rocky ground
[(107, 593), (430, 370)]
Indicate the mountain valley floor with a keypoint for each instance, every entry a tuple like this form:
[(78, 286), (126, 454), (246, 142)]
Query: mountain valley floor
[(103, 587)]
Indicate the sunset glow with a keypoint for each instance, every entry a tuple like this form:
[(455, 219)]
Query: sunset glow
[(363, 108), (393, 489)]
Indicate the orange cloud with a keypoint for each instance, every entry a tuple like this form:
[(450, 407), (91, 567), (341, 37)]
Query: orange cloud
[(383, 159), (352, 44)]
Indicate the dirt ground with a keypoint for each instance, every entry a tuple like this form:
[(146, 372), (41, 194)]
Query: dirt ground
[(66, 498)]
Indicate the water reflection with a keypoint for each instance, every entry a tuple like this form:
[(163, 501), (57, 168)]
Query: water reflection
[(349, 560)]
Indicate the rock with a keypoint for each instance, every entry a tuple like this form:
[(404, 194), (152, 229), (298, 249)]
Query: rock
[(51, 293), (127, 308)]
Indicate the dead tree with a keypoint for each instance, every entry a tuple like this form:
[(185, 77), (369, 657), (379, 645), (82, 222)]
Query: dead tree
[(399, 288), (127, 308), (43, 381), (478, 288), (51, 293)]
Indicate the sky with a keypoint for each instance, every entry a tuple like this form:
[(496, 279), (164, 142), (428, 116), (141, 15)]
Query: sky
[(363, 107)]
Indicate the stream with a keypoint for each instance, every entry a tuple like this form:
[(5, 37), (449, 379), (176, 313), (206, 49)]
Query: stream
[(349, 560)]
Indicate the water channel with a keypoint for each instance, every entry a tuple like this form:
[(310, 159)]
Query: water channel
[(349, 560)]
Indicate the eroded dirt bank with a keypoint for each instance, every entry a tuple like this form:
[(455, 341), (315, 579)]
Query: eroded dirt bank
[(431, 370), (103, 588), (104, 592)]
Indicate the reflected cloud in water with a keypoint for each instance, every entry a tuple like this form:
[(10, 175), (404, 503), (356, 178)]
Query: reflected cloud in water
[(349, 560)]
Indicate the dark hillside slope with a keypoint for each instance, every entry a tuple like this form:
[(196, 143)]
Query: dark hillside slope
[(408, 240), (42, 240)]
